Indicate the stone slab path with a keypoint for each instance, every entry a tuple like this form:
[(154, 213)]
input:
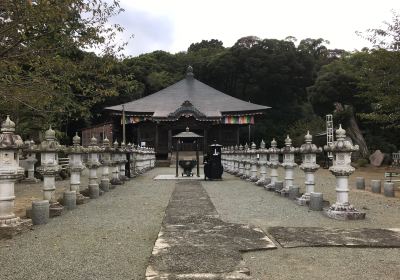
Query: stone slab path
[(194, 243), (291, 237)]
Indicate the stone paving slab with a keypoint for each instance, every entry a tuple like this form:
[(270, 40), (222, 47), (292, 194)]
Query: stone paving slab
[(194, 243), (292, 237)]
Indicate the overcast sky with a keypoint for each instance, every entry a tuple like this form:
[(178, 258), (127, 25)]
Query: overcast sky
[(172, 25)]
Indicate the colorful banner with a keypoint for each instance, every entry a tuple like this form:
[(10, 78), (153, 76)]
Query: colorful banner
[(129, 120), (238, 120)]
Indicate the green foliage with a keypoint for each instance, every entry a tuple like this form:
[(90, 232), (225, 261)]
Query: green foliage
[(299, 129)]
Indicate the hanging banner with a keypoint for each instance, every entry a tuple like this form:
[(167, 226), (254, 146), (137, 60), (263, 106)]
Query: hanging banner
[(238, 120), (129, 120)]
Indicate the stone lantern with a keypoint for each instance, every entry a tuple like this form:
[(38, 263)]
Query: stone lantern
[(273, 164), (10, 171), (228, 159), (342, 169), (49, 168), (76, 167), (93, 164), (115, 162), (288, 164), (309, 166), (240, 162), (262, 163), (106, 163), (253, 163), (30, 160)]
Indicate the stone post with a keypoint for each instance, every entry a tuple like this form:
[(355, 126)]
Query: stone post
[(288, 164), (253, 163), (93, 164), (49, 168), (246, 162), (10, 171), (76, 167), (240, 162), (342, 169), (115, 165), (309, 166), (262, 163), (273, 164), (106, 163)]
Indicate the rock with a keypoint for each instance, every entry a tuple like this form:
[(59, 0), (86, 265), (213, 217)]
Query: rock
[(376, 158)]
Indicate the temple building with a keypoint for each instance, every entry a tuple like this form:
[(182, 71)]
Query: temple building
[(154, 120)]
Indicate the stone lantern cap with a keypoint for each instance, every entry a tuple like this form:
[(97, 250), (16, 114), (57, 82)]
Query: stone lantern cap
[(76, 147), (341, 144), (309, 147), (274, 149), (93, 146), (50, 144), (9, 140), (289, 149)]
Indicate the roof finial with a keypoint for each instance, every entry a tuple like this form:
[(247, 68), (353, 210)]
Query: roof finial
[(187, 129), (189, 71)]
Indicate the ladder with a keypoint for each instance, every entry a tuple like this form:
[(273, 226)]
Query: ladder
[(329, 133)]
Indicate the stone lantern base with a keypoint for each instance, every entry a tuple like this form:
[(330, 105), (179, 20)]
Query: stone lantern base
[(344, 212), (55, 209), (303, 200), (12, 227)]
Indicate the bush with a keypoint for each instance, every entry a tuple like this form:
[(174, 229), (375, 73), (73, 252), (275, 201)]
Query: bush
[(362, 162)]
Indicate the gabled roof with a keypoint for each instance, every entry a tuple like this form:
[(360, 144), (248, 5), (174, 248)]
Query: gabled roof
[(190, 95)]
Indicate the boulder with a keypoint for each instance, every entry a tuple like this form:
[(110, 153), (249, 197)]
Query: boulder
[(376, 158)]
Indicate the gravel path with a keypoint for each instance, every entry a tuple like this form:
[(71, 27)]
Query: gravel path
[(108, 238), (243, 202)]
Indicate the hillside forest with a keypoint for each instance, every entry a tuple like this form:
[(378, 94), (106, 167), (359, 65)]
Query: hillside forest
[(61, 65)]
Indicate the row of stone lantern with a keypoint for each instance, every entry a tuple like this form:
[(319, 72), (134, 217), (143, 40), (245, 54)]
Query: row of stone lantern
[(115, 157), (251, 164)]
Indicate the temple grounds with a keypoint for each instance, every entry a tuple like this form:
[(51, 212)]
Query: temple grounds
[(113, 237)]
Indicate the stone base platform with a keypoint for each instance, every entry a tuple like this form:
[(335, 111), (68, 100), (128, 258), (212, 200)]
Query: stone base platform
[(9, 231), (172, 177)]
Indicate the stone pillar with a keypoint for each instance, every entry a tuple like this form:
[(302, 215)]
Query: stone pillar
[(76, 167), (309, 166), (262, 164), (10, 171), (93, 164), (106, 163), (288, 164), (49, 168), (273, 164), (240, 162), (115, 165), (342, 169), (253, 163)]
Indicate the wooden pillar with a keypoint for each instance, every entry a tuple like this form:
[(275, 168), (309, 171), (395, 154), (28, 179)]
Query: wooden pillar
[(177, 157), (139, 138), (197, 158), (205, 141), (156, 139), (169, 140), (238, 135)]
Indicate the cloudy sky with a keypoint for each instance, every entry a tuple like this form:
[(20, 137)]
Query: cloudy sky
[(172, 25)]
